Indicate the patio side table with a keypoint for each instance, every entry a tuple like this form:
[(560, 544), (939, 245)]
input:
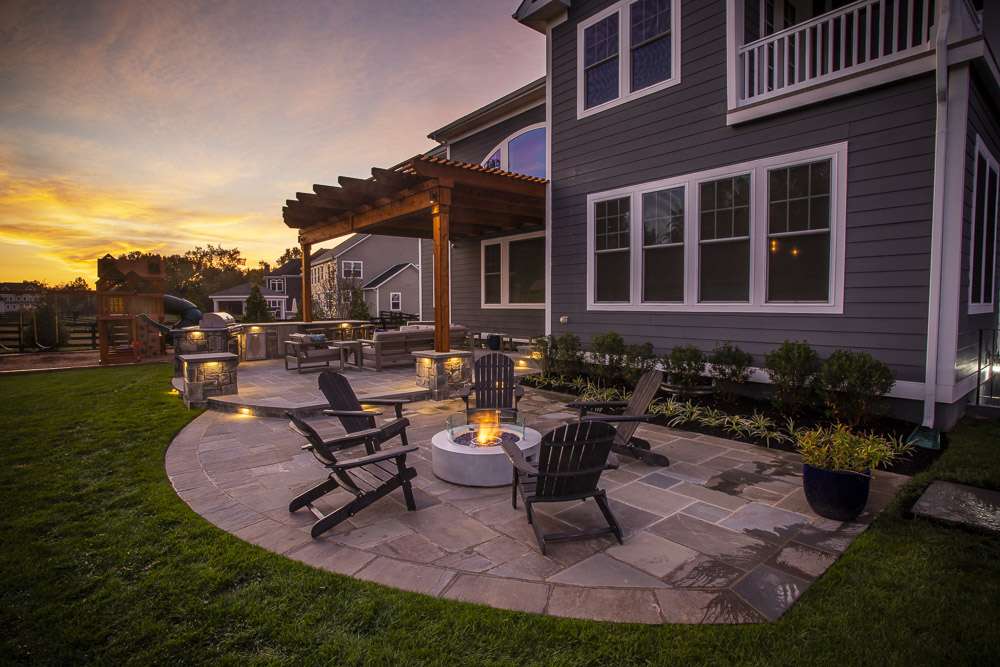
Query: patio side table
[(350, 348)]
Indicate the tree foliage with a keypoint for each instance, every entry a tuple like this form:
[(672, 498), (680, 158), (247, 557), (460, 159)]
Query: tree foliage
[(256, 307)]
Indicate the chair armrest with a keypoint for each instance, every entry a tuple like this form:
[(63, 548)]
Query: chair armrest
[(584, 407), (351, 413), (396, 403), (396, 452), (610, 419), (517, 459)]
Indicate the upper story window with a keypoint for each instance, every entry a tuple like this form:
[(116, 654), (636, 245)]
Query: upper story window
[(764, 236), (396, 301), (276, 284), (983, 249), (628, 50), (513, 271), (522, 152), (352, 269)]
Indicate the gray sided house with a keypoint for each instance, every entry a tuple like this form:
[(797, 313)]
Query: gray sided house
[(751, 171), (382, 266), (281, 288)]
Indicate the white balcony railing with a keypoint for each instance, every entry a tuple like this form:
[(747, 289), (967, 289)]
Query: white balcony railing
[(863, 35)]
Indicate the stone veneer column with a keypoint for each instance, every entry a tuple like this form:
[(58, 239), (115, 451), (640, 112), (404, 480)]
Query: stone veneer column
[(443, 372)]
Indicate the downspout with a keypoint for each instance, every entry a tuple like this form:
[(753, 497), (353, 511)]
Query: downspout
[(938, 212)]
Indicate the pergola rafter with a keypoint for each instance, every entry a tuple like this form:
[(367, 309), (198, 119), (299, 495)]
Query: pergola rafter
[(424, 197)]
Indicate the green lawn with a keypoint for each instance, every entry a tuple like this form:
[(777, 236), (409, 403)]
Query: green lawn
[(101, 562)]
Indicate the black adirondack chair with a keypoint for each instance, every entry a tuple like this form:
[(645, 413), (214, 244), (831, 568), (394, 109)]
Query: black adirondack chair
[(367, 478), (344, 405), (626, 442), (493, 383), (568, 466)]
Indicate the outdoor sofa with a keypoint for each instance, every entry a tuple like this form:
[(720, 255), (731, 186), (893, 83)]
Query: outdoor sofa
[(396, 348)]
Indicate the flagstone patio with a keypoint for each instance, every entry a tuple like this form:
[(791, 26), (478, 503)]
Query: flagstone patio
[(722, 535)]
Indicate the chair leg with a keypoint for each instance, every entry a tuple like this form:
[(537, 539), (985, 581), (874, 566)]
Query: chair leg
[(539, 535), (312, 494), (355, 506), (411, 504), (513, 490), (602, 502)]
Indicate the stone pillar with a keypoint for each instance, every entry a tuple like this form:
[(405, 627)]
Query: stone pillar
[(205, 375), (443, 372)]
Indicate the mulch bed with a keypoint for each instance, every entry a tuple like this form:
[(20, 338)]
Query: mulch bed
[(917, 461)]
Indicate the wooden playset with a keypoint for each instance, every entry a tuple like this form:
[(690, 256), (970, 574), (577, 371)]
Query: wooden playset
[(129, 302)]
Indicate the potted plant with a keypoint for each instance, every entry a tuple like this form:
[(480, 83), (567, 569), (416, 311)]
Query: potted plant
[(837, 466)]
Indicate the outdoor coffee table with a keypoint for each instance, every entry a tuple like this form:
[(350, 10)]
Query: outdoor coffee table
[(468, 450), (351, 347)]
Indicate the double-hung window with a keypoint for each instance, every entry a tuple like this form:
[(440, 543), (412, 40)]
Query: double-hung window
[(628, 50), (353, 269), (395, 301), (767, 236), (724, 239), (513, 271), (276, 284), (982, 251)]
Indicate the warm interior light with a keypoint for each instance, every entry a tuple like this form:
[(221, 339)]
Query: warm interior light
[(197, 334), (795, 252), (774, 245)]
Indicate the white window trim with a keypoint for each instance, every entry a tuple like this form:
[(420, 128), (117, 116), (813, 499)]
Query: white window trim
[(623, 8), (279, 282), (504, 149), (355, 264), (504, 243), (392, 297), (991, 163), (837, 153)]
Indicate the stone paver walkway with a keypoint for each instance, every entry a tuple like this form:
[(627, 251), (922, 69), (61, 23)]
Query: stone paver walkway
[(960, 504), (723, 535)]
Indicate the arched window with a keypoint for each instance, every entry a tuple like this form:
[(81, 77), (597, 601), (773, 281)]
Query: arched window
[(522, 152)]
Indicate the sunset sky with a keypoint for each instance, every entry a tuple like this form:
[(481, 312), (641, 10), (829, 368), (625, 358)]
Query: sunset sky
[(164, 125)]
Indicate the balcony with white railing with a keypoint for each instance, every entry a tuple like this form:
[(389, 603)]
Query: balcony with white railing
[(861, 36)]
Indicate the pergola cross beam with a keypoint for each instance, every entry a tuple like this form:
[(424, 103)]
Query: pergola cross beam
[(424, 197)]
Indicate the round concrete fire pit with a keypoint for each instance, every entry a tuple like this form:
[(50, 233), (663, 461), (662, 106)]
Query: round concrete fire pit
[(460, 460)]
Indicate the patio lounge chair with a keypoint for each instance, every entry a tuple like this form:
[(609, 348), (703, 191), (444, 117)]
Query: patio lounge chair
[(344, 405), (367, 478), (626, 442), (568, 466), (493, 383)]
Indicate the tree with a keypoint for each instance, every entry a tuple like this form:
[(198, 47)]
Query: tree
[(203, 271), (359, 308), (78, 284), (294, 252), (256, 309)]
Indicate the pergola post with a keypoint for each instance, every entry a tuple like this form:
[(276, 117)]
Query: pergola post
[(441, 217), (307, 282)]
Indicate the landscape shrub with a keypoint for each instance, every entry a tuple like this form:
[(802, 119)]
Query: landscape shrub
[(792, 368), (638, 360), (684, 366), (851, 383), (608, 351), (730, 366)]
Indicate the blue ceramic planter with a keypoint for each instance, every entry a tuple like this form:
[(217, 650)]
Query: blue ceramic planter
[(836, 494)]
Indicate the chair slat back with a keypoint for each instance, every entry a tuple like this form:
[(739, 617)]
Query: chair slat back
[(581, 448), (639, 402), (340, 395), (494, 381)]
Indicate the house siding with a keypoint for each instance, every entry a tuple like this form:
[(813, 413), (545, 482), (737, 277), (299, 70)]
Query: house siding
[(466, 276), (984, 122), (406, 282), (683, 129), (476, 147)]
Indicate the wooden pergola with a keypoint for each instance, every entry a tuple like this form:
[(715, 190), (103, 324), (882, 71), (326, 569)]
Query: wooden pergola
[(423, 197)]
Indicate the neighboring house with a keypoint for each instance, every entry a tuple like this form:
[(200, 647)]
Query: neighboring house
[(380, 265), (19, 296), (281, 288), (752, 171)]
